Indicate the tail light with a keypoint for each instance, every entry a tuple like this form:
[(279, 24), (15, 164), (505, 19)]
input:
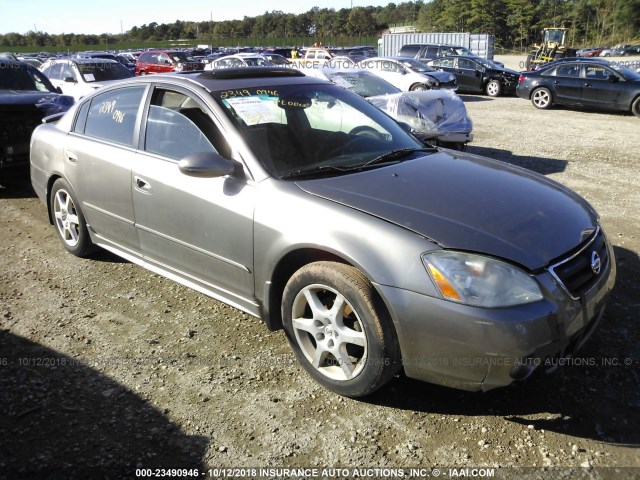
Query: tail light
[(521, 79)]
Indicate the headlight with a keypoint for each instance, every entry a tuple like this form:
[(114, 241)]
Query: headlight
[(480, 281)]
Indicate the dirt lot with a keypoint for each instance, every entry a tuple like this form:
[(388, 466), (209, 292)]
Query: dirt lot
[(105, 367)]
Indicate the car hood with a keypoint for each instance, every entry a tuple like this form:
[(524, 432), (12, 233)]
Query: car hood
[(50, 103), (505, 72), (470, 203), (24, 97)]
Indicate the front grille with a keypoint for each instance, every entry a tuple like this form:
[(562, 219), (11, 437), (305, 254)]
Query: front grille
[(575, 272), (16, 127)]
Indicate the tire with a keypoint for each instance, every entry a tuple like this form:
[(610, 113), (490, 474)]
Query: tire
[(352, 349), (541, 98), (493, 88), (635, 107), (419, 87), (69, 221)]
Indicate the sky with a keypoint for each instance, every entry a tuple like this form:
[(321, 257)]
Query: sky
[(114, 16)]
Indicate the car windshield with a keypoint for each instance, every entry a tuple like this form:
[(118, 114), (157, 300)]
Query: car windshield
[(181, 57), (257, 61), (362, 83), (463, 51), (103, 71), (14, 76), (312, 130), (486, 63), (416, 66)]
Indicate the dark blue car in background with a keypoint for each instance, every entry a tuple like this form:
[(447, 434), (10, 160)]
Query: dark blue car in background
[(26, 97), (601, 85)]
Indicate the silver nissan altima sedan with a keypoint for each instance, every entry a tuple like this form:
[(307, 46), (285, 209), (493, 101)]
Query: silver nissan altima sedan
[(299, 202)]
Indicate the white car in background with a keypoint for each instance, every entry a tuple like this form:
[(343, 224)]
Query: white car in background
[(408, 74), (240, 60), (438, 117), (79, 77)]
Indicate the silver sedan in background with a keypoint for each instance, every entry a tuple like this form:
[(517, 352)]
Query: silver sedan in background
[(374, 253)]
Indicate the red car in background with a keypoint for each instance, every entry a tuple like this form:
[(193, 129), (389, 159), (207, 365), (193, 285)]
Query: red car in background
[(162, 61)]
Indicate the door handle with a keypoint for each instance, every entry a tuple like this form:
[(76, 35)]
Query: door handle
[(556, 82), (587, 84), (142, 184), (72, 157)]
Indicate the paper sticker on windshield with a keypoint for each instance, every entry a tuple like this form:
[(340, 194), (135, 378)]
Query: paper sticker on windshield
[(88, 77), (252, 110)]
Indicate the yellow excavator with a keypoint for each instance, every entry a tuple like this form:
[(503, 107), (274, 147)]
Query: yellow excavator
[(553, 45)]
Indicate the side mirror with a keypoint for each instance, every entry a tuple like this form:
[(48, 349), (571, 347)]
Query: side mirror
[(477, 73), (612, 78), (70, 80), (206, 164), (406, 127)]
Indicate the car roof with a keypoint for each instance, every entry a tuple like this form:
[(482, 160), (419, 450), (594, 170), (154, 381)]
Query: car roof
[(82, 60), (236, 78)]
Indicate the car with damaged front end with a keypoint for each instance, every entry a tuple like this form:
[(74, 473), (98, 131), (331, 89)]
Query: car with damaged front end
[(26, 97), (373, 253)]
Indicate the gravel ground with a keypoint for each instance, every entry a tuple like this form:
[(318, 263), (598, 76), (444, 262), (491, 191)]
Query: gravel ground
[(105, 367)]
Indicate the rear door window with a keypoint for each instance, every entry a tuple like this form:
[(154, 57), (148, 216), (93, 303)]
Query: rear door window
[(112, 115)]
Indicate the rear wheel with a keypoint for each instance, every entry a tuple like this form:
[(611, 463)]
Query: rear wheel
[(418, 87), (542, 98), (493, 88), (69, 220), (338, 329), (635, 107)]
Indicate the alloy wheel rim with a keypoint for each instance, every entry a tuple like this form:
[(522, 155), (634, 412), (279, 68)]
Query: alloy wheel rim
[(66, 218), (329, 332), (541, 98)]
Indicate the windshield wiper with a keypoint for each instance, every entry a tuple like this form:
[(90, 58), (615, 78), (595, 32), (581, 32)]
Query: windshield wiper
[(309, 172), (395, 155)]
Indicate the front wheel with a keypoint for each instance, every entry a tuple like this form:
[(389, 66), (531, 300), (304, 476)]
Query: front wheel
[(419, 87), (635, 107), (339, 330), (493, 88), (541, 98), (69, 220)]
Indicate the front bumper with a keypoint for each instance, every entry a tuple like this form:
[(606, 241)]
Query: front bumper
[(473, 348)]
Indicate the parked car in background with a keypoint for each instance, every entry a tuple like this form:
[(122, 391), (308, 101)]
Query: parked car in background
[(408, 75), (425, 52), (276, 59), (374, 255), (629, 50), (163, 61), (131, 66), (621, 51), (479, 75), (600, 85), (26, 97), (240, 60), (438, 117), (81, 76), (34, 62)]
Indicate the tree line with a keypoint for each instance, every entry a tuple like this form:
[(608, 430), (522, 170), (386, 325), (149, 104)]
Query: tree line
[(516, 24)]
